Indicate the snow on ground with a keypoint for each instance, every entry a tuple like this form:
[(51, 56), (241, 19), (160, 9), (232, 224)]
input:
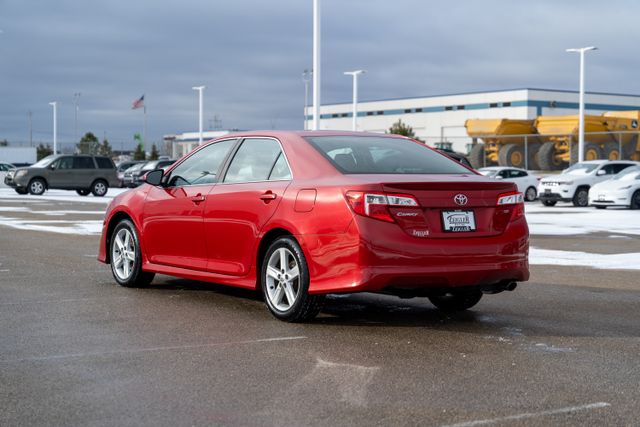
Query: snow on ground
[(628, 261), (61, 196), (87, 227), (569, 220)]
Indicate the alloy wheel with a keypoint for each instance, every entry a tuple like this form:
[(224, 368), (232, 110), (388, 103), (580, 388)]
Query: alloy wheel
[(123, 254), (36, 187), (282, 279), (99, 189)]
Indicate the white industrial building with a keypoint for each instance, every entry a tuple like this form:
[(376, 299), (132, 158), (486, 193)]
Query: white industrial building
[(442, 118), (182, 143)]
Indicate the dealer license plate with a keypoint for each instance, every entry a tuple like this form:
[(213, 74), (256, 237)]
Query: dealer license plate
[(458, 221)]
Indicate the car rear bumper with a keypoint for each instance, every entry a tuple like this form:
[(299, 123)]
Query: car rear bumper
[(394, 262)]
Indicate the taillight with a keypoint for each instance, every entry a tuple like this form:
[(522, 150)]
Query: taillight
[(510, 208), (376, 205)]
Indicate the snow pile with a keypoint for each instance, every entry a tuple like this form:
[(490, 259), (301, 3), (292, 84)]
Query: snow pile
[(565, 221)]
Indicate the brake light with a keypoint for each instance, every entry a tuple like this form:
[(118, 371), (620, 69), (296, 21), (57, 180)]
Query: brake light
[(376, 205), (513, 202), (510, 199)]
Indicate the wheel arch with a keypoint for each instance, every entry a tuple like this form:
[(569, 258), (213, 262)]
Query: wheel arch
[(266, 241), (113, 222), (46, 183)]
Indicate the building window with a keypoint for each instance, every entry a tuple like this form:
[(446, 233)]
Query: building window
[(344, 115), (418, 110), (334, 116), (506, 104), (448, 108), (369, 113), (493, 105), (408, 110), (380, 113), (460, 107)]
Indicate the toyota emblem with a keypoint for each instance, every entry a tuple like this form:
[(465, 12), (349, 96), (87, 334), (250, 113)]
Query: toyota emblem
[(460, 199)]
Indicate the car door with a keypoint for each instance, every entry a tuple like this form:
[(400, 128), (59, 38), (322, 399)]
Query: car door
[(172, 229), (60, 172), (239, 207), (519, 178), (84, 170)]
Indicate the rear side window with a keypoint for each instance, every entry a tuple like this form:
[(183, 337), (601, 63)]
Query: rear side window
[(383, 155), (254, 161), (104, 163), (83, 163)]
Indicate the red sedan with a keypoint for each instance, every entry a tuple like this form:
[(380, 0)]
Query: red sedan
[(299, 215)]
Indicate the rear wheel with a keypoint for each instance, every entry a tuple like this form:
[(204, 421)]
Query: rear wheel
[(477, 156), (126, 258), (532, 156), (99, 188), (581, 198), (547, 157), (549, 202), (83, 192), (530, 194), (37, 186), (21, 191), (611, 151), (591, 152), (635, 200), (456, 302), (285, 282)]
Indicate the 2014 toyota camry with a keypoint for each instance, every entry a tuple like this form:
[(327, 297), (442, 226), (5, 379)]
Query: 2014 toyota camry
[(298, 215)]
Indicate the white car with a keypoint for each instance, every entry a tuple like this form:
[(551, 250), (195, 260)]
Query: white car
[(573, 184), (526, 182), (4, 168), (622, 190)]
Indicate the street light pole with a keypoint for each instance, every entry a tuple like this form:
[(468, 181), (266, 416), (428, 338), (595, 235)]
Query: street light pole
[(581, 51), (76, 98), (199, 89), (54, 104), (306, 75), (355, 75), (316, 65)]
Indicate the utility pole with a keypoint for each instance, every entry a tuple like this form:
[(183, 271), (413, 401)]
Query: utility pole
[(355, 74), (306, 76), (316, 65), (581, 51), (200, 89), (54, 104), (30, 115), (76, 99)]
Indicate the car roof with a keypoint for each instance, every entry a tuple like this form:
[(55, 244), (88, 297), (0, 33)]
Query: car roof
[(500, 168)]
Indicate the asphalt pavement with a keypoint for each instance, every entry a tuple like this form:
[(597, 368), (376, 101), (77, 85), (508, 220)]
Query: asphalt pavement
[(78, 350)]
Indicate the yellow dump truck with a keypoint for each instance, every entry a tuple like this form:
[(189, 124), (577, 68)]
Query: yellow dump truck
[(502, 142), (560, 136)]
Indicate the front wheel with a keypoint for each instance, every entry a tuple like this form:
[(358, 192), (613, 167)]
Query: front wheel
[(37, 186), (635, 200), (99, 188), (126, 257), (456, 302), (285, 282), (581, 198)]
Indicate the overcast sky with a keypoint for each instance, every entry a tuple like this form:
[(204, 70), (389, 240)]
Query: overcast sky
[(250, 54)]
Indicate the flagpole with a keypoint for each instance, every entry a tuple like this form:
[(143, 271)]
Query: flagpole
[(144, 129)]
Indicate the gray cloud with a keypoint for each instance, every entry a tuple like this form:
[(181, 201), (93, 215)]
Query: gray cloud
[(251, 53)]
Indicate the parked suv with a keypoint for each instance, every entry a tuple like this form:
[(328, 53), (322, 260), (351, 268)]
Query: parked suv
[(573, 184), (133, 176), (85, 174)]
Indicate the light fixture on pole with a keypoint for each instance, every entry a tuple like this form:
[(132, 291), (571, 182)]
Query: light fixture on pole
[(306, 76), (199, 89), (355, 75), (581, 51), (54, 104), (316, 65)]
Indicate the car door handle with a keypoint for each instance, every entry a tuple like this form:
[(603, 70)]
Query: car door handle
[(199, 198), (268, 196)]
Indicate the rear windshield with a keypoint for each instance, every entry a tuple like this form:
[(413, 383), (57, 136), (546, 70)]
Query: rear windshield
[(383, 155)]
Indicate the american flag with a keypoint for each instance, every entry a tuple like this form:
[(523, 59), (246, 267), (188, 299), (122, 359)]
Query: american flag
[(138, 103)]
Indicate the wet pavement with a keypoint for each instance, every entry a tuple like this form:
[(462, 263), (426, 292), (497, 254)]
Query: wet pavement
[(76, 349)]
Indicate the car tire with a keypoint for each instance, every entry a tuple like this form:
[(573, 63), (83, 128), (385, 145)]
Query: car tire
[(83, 192), (531, 194), (549, 202), (21, 191), (37, 186), (581, 197), (126, 256), (456, 302), (635, 200), (511, 155), (546, 157), (99, 188), (477, 157), (285, 282)]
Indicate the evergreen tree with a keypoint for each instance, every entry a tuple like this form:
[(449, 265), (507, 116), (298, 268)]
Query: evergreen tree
[(399, 128), (43, 151), (89, 144), (154, 153), (139, 154), (105, 148)]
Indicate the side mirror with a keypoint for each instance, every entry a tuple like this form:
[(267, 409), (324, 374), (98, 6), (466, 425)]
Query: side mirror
[(52, 167), (154, 177), (601, 172)]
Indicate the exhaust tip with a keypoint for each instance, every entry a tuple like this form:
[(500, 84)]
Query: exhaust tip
[(511, 286)]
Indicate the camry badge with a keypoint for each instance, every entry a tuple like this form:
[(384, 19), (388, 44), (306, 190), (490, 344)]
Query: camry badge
[(460, 199)]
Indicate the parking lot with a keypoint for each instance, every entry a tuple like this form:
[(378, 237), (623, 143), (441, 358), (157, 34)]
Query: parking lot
[(76, 349)]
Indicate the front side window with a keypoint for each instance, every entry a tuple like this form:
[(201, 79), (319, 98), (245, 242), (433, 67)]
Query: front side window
[(383, 155), (65, 163), (202, 167), (254, 161)]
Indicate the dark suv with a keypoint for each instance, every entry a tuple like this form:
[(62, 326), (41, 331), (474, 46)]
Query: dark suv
[(85, 174)]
